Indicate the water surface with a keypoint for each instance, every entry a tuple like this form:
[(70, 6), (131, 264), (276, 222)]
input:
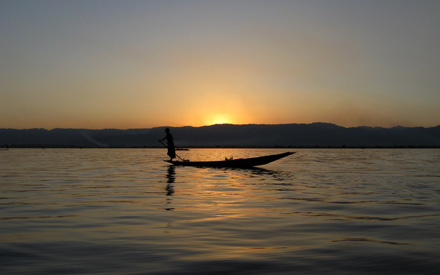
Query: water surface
[(125, 211)]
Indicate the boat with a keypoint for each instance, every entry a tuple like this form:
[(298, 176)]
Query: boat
[(233, 163)]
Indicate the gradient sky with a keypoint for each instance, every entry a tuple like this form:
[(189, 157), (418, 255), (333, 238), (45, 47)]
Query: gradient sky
[(140, 64)]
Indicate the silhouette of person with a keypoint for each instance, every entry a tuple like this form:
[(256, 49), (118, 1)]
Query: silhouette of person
[(170, 142)]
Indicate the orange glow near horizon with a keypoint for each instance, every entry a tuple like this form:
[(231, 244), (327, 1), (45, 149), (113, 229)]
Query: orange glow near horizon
[(215, 106), (219, 119)]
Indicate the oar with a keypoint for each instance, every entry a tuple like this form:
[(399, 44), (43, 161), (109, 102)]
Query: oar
[(174, 152)]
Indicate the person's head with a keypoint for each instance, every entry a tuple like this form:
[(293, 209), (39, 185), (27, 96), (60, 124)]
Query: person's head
[(167, 130)]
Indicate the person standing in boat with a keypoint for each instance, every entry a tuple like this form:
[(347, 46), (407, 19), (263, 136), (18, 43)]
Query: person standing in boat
[(170, 142)]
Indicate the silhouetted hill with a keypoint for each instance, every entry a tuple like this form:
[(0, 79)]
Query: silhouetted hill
[(228, 135)]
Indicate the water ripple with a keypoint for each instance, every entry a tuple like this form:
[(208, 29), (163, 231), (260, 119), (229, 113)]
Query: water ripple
[(125, 211)]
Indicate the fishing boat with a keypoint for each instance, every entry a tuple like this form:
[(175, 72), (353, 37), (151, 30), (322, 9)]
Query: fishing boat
[(233, 163)]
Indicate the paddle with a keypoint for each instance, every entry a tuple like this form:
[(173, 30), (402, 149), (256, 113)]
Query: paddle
[(174, 152)]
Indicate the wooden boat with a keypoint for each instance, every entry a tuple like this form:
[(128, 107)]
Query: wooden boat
[(233, 163)]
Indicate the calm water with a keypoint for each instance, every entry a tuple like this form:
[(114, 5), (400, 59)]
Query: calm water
[(125, 211)]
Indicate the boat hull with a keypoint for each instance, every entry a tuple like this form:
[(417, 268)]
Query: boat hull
[(235, 163)]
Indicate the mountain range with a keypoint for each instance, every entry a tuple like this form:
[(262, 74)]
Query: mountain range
[(320, 135)]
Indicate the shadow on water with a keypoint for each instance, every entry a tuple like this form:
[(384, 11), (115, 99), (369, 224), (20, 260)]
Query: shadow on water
[(171, 174), (253, 170), (269, 177), (171, 178), (259, 172), (244, 172)]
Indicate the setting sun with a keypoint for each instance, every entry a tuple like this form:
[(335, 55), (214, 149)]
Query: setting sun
[(219, 119)]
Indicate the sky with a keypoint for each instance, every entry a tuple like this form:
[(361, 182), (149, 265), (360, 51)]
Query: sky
[(140, 64)]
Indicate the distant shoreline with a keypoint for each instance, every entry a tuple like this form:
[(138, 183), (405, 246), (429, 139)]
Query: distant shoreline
[(315, 135)]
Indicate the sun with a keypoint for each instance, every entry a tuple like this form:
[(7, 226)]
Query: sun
[(218, 119)]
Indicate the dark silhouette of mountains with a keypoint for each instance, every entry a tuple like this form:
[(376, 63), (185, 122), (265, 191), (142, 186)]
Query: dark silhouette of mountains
[(229, 135)]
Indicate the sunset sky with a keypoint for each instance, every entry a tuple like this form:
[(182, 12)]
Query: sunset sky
[(140, 64)]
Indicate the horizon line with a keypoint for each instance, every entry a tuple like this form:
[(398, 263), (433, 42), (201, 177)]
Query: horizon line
[(220, 124)]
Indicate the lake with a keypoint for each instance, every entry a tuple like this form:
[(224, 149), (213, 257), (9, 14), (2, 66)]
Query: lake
[(126, 211)]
